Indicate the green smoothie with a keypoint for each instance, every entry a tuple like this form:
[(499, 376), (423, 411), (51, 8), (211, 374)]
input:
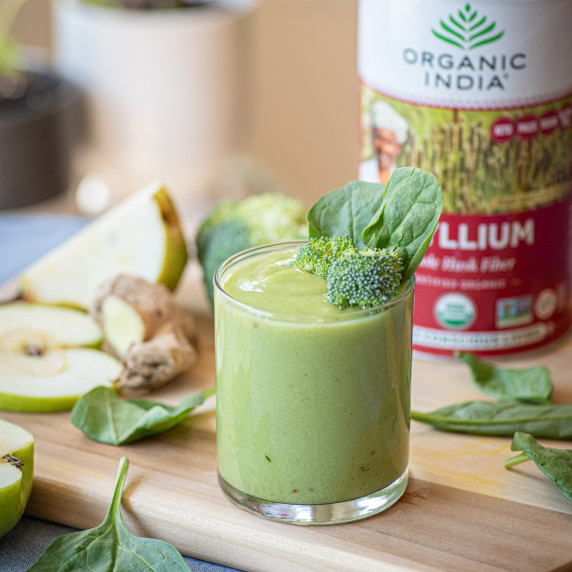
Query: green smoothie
[(313, 403)]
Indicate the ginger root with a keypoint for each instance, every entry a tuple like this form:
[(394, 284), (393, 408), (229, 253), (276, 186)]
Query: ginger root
[(145, 328)]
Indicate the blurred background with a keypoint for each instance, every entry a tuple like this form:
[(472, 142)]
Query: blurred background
[(298, 103)]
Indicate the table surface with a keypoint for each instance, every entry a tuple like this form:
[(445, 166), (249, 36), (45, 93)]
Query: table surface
[(462, 510)]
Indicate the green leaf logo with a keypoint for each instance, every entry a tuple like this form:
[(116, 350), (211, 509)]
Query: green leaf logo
[(468, 30)]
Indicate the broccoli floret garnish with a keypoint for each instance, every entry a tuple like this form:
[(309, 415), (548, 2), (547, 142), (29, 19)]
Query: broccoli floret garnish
[(233, 226), (366, 278), (318, 254)]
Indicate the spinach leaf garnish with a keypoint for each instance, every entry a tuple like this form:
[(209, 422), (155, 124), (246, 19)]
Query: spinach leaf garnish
[(502, 418), (110, 546), (403, 214), (531, 384), (556, 464), (408, 215), (103, 416), (346, 211)]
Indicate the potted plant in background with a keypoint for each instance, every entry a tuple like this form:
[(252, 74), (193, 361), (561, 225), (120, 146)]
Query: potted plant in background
[(37, 110), (165, 85)]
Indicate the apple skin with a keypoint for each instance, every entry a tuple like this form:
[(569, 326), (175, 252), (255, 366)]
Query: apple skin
[(176, 254), (14, 498), (28, 404), (141, 236), (10, 506), (21, 404)]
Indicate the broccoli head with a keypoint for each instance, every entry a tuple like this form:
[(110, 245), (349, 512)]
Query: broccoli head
[(366, 278), (233, 226), (317, 254)]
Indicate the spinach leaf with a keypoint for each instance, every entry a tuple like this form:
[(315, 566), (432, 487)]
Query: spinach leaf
[(531, 384), (403, 214), (103, 416), (408, 216), (502, 418), (110, 546), (346, 211), (556, 464)]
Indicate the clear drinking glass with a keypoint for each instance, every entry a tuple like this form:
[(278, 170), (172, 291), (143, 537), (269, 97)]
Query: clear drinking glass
[(313, 410)]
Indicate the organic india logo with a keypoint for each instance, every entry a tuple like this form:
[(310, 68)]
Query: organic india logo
[(465, 70), (469, 30)]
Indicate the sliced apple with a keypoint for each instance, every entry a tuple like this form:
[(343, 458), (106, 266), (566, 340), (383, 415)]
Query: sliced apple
[(16, 473), (44, 364), (141, 236)]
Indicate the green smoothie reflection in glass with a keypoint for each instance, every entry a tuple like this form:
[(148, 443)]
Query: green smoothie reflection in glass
[(313, 356)]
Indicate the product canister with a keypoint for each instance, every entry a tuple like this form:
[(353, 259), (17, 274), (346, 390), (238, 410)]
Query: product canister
[(479, 94)]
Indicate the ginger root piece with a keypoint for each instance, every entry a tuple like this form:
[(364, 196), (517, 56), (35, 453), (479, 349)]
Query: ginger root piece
[(151, 364), (143, 326)]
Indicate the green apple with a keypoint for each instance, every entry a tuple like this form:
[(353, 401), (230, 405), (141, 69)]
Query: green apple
[(16, 473), (48, 357), (141, 236)]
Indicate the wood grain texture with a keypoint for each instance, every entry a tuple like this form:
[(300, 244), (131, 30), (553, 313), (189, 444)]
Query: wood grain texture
[(462, 510)]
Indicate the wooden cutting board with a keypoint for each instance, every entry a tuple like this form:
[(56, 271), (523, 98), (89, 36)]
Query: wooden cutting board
[(462, 510)]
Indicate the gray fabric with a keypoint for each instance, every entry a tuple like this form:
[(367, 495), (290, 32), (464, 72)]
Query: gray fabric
[(22, 240), (25, 238), (23, 545)]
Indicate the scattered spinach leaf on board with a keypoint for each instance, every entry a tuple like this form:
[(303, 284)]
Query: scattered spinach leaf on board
[(531, 384), (103, 416), (110, 546), (556, 464), (502, 418), (408, 215)]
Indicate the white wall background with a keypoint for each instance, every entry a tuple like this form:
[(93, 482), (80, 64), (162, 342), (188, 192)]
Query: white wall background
[(303, 122)]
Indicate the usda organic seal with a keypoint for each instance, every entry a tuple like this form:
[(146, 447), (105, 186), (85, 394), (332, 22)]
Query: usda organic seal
[(455, 311)]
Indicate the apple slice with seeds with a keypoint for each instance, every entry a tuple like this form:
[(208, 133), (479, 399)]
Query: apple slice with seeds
[(48, 357)]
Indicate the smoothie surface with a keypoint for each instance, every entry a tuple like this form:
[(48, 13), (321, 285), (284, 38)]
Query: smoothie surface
[(271, 284)]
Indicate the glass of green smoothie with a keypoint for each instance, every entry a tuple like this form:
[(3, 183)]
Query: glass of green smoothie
[(313, 356), (313, 402)]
